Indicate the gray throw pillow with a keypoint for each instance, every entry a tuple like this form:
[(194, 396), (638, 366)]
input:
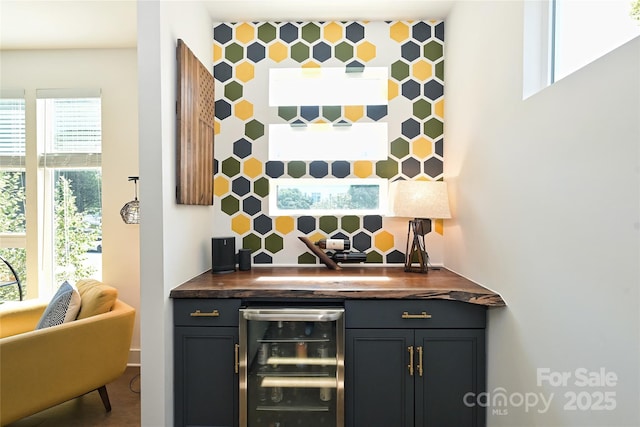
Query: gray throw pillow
[(62, 308)]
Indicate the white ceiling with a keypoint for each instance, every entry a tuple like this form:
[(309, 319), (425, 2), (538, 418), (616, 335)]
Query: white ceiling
[(68, 24)]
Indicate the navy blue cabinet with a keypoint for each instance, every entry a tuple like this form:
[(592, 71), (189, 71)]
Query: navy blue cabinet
[(407, 363), (414, 363), (205, 362)]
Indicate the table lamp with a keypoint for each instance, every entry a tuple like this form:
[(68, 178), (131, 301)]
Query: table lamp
[(422, 201)]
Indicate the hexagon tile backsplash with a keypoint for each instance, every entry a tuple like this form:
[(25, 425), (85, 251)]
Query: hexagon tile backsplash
[(244, 52)]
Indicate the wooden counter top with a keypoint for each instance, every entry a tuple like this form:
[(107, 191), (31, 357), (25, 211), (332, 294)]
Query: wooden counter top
[(348, 283)]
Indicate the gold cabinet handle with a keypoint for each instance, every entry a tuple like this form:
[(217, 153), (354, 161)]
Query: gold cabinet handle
[(410, 365), (236, 357), (198, 313), (422, 315), (420, 360)]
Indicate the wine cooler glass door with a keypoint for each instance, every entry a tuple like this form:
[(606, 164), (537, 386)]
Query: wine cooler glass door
[(291, 367)]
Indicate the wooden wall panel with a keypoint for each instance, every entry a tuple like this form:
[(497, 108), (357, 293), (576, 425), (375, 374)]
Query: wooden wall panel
[(195, 129)]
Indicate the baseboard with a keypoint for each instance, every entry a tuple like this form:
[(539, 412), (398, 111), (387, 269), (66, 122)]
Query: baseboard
[(134, 357)]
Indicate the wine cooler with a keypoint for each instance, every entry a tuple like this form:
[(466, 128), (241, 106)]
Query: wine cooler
[(291, 367)]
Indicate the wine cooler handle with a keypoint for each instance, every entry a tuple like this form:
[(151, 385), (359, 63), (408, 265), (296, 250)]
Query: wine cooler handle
[(422, 315), (420, 360), (198, 313), (236, 357), (293, 316), (410, 365)]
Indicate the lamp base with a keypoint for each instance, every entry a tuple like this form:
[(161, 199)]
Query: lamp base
[(415, 246)]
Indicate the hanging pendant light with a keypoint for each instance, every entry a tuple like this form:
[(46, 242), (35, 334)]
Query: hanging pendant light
[(130, 212)]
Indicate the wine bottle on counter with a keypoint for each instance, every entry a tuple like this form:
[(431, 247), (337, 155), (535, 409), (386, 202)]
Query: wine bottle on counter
[(349, 257), (334, 244)]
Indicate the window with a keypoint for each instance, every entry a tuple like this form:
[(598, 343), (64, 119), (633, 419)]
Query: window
[(68, 199), (328, 86), (357, 141), (561, 36), (336, 140), (586, 30), (328, 196), (12, 189), (70, 141)]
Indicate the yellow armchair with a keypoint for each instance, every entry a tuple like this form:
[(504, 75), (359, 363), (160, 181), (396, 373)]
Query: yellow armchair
[(43, 368)]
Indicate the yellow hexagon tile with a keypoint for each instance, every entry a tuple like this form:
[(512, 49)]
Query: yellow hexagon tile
[(422, 70), (278, 52), (439, 109), (220, 186), (366, 51), (217, 52), (240, 224), (216, 127), (311, 64), (438, 226), (333, 32), (383, 241), (317, 236), (392, 89), (245, 71), (422, 148), (285, 224), (243, 110), (399, 31), (252, 167), (353, 112), (362, 168), (245, 33)]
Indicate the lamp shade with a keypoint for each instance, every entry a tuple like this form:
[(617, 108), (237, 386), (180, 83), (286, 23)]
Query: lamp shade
[(419, 199), (130, 212)]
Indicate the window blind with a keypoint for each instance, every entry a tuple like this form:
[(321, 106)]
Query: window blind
[(12, 127)]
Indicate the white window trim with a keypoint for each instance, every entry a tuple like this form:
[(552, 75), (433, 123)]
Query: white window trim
[(13, 240), (537, 47)]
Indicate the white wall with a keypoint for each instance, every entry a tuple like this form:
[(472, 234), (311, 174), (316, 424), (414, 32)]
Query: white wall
[(175, 239), (546, 198), (114, 71)]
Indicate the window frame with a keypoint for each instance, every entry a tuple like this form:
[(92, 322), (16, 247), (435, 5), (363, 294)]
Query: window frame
[(12, 159), (50, 161)]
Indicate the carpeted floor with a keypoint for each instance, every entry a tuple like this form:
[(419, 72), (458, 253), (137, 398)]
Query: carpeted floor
[(88, 411)]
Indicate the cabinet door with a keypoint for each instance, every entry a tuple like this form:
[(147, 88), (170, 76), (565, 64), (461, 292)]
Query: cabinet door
[(206, 381), (453, 364), (379, 389)]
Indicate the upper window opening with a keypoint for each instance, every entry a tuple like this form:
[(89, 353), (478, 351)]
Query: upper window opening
[(357, 141), (328, 86), (586, 30)]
